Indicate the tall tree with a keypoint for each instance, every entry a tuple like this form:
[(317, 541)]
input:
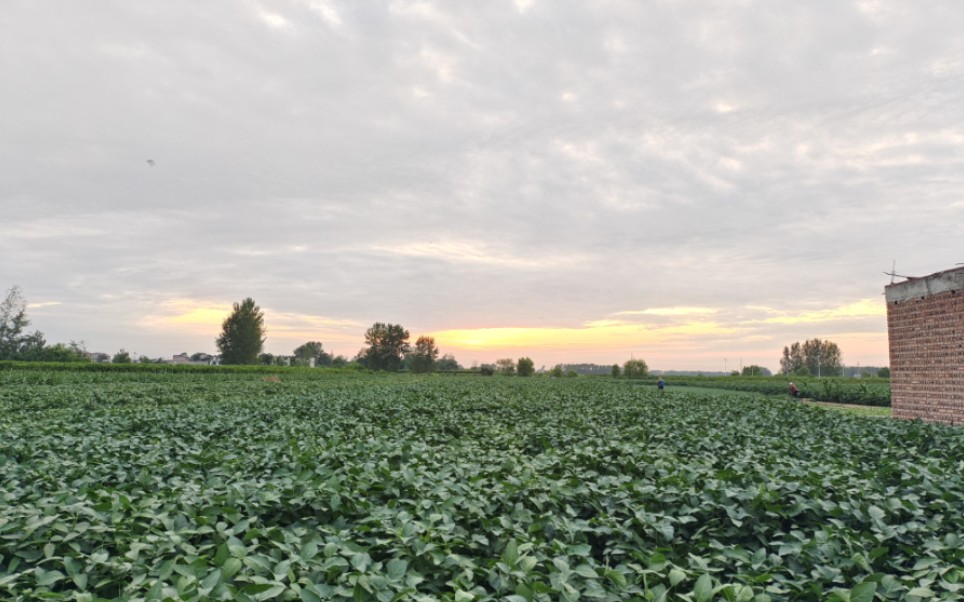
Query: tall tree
[(242, 334), (387, 347), (423, 356), (792, 361), (13, 319), (814, 357), (823, 358), (525, 366)]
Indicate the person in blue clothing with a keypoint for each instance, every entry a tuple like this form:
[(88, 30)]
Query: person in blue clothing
[(661, 384)]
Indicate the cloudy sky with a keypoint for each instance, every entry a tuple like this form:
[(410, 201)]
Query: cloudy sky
[(694, 183)]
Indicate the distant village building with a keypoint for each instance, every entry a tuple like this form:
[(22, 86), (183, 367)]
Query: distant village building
[(198, 359), (925, 325)]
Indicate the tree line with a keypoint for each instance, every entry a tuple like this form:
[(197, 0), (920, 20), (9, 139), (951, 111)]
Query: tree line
[(388, 346)]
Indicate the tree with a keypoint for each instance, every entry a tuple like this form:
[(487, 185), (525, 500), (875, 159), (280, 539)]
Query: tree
[(31, 347), (525, 366), (422, 357), (387, 347), (792, 359), (13, 320), (754, 370), (884, 372), (242, 334), (635, 369), (74, 352), (823, 357), (505, 366), (813, 357), (615, 371), (447, 363), (121, 357), (312, 350)]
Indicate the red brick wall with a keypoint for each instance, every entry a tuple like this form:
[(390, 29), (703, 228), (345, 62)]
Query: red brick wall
[(927, 357)]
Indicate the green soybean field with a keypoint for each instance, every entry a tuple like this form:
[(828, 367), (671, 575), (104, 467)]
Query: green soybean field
[(462, 488)]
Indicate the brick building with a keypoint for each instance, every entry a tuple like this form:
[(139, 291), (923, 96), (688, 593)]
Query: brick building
[(925, 324)]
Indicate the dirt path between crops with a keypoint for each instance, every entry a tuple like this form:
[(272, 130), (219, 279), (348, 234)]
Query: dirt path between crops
[(831, 404)]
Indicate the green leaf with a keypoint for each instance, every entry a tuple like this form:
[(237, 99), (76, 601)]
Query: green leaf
[(583, 549), (922, 592), (230, 568), (510, 555), (863, 592), (924, 563), (264, 591), (213, 578), (744, 593), (618, 579), (80, 580), (48, 577), (703, 591), (676, 575), (72, 565), (396, 569), (361, 561)]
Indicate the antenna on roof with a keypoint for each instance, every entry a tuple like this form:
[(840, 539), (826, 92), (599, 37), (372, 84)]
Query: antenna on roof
[(893, 273)]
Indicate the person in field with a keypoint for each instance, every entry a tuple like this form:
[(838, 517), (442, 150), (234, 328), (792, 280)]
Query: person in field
[(661, 384), (794, 391)]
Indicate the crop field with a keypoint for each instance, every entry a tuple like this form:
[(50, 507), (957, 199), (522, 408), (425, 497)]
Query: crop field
[(358, 487)]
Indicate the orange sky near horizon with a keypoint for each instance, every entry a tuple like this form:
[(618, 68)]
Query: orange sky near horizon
[(668, 338)]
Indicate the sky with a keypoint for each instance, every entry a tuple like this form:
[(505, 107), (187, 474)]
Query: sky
[(693, 183)]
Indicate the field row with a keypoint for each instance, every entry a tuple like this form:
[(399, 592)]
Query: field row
[(466, 489)]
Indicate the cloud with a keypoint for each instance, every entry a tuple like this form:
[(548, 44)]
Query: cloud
[(42, 304), (864, 308), (466, 252), (668, 311), (586, 168)]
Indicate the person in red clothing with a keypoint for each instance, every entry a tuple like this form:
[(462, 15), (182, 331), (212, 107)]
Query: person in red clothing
[(794, 391)]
